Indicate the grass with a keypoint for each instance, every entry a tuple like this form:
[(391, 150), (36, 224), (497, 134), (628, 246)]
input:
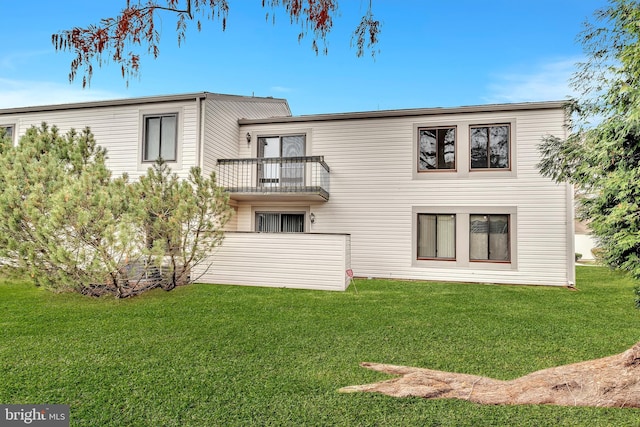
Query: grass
[(206, 355)]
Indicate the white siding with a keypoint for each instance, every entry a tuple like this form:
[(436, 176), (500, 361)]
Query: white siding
[(118, 129), (222, 139), (293, 260), (374, 192)]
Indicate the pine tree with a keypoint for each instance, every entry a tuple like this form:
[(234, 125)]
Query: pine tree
[(603, 161)]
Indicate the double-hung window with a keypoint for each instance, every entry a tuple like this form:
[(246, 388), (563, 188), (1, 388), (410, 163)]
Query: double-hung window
[(160, 137), (436, 236), (489, 237), (279, 222), (490, 146), (436, 148)]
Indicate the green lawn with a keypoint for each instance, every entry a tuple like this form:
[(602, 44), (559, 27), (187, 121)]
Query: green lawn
[(207, 355)]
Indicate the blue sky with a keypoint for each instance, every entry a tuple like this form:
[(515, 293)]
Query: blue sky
[(433, 53)]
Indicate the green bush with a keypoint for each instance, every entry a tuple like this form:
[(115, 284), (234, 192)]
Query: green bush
[(72, 226)]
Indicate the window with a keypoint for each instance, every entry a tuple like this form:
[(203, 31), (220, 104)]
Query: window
[(277, 222), (490, 147), (160, 136), (489, 238), (8, 131), (436, 148), (436, 236)]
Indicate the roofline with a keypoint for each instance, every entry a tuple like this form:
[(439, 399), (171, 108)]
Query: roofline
[(546, 105), (136, 101)]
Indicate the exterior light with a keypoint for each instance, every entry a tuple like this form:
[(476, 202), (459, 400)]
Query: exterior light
[(312, 218), (248, 137)]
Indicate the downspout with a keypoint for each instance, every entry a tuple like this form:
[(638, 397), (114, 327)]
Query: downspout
[(571, 216), (200, 109), (571, 238)]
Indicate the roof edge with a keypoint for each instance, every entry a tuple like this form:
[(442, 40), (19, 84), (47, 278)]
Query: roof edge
[(543, 105), (133, 101)]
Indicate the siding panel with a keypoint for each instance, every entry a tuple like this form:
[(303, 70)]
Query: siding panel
[(300, 261)]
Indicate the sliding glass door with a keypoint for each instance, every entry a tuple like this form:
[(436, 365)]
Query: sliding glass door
[(285, 173)]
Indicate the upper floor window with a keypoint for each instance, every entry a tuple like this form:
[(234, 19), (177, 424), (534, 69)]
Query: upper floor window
[(490, 146), (160, 137), (436, 148)]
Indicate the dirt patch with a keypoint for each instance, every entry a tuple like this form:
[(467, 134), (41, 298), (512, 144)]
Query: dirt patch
[(612, 381)]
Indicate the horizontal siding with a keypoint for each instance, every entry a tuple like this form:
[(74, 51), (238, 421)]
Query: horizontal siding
[(118, 129), (221, 125), (373, 192), (300, 261)]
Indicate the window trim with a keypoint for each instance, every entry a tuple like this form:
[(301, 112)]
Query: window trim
[(176, 164), (145, 118), (259, 139), (510, 141), (455, 148), (256, 136), (13, 127), (280, 212), (439, 258), (509, 248)]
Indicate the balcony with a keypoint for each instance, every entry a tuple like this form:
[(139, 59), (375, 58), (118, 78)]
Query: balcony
[(275, 178)]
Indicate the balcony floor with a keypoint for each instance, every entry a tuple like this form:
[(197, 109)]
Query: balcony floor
[(312, 194)]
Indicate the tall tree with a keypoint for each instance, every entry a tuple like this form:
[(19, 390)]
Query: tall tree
[(601, 155), (121, 38)]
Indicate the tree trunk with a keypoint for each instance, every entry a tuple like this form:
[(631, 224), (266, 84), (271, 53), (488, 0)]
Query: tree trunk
[(612, 381)]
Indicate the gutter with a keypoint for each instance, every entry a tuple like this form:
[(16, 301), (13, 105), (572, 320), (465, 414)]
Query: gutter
[(412, 112)]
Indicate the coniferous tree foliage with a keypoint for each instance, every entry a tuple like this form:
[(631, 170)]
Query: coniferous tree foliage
[(603, 160), (183, 220), (72, 226)]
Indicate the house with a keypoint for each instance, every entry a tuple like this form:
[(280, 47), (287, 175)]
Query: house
[(448, 194)]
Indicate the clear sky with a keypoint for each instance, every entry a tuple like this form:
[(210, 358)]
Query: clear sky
[(433, 53)]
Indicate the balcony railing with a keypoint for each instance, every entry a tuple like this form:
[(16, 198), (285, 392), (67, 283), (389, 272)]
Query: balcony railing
[(306, 176)]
